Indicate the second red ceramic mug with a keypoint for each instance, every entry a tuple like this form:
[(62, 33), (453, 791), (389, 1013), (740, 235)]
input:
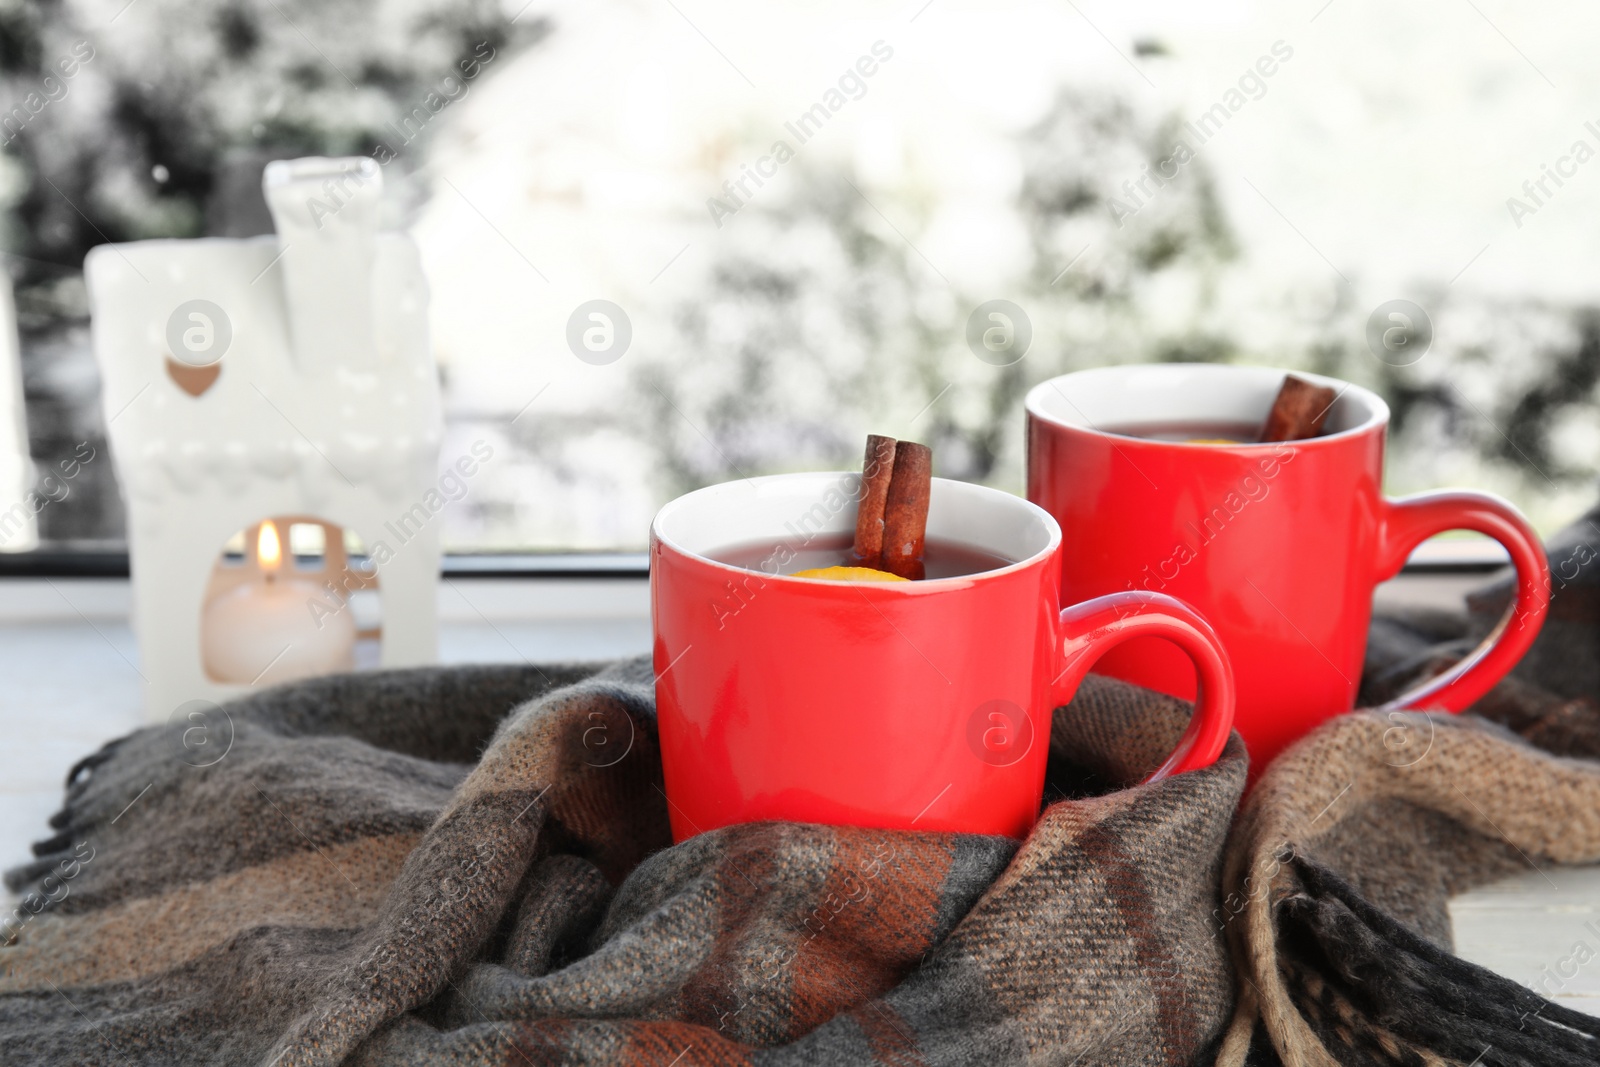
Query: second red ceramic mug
[(1279, 546), (910, 705)]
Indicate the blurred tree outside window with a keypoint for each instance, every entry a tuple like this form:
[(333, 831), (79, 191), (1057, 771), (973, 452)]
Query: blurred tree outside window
[(577, 162)]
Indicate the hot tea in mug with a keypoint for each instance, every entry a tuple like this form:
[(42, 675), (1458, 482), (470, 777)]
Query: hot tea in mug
[(860, 696), (1159, 481)]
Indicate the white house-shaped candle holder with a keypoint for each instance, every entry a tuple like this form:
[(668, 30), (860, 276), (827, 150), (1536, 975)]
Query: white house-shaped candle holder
[(269, 382)]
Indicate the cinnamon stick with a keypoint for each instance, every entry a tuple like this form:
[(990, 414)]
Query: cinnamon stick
[(905, 511), (1298, 412), (876, 470)]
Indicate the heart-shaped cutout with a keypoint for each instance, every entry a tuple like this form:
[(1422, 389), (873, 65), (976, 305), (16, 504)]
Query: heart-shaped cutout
[(193, 380)]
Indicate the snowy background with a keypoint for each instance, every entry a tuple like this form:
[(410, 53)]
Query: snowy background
[(994, 154)]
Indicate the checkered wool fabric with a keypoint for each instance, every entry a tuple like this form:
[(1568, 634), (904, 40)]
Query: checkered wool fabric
[(443, 867), (1341, 860)]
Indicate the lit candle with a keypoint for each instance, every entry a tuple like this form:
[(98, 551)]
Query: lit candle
[(264, 629)]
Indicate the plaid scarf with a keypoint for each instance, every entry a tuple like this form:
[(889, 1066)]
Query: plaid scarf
[(472, 866)]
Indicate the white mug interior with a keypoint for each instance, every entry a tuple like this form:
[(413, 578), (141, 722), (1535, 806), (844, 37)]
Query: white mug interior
[(795, 509), (1106, 398)]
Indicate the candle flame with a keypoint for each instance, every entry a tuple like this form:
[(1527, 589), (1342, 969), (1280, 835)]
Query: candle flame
[(269, 552)]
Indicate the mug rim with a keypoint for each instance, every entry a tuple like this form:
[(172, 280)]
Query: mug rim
[(941, 486), (1377, 418)]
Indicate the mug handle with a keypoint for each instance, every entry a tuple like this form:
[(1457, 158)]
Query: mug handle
[(1088, 630), (1408, 522)]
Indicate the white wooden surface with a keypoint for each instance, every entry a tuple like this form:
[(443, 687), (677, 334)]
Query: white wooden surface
[(69, 665), (1541, 928), (69, 679)]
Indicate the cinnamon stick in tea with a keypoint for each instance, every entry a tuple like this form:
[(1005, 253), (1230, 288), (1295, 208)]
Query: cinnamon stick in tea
[(876, 470), (1299, 410), (905, 511)]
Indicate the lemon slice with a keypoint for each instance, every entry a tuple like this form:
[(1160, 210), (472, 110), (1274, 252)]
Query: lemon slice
[(849, 574)]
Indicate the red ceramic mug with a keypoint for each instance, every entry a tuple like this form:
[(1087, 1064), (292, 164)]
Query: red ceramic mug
[(1278, 545), (911, 705)]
